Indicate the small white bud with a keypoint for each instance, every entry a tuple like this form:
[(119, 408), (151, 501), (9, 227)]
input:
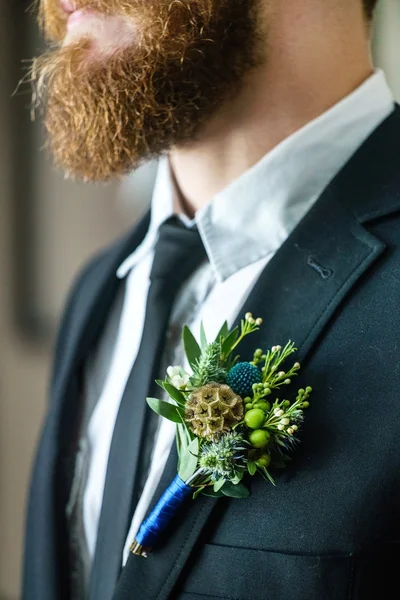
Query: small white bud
[(259, 322), (281, 374), (278, 412), (290, 430), (285, 421), (287, 382), (278, 348), (248, 316), (294, 427), (281, 427), (296, 365)]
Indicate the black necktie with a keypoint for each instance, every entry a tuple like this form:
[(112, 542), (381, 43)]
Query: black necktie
[(179, 251)]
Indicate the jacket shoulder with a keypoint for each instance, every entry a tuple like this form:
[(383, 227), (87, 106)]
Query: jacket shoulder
[(100, 268)]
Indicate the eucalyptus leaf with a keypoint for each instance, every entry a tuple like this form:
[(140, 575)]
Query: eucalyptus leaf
[(235, 491), (161, 383), (238, 478), (188, 460), (198, 492), (192, 348), (178, 440), (203, 337), (166, 410), (218, 484), (182, 439), (208, 491), (229, 342), (175, 394), (252, 468), (185, 438), (223, 332)]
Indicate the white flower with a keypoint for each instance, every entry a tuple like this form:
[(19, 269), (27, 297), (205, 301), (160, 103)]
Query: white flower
[(178, 377), (173, 371)]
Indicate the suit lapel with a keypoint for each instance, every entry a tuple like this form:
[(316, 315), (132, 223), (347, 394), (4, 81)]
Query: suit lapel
[(297, 295)]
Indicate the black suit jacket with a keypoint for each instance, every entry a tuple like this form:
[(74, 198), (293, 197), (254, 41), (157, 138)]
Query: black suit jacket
[(330, 529)]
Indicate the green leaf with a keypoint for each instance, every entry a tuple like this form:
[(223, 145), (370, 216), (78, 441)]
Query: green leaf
[(166, 410), (252, 468), (198, 492), (238, 478), (268, 476), (182, 439), (235, 491), (203, 338), (188, 460), (179, 443), (160, 382), (192, 348), (175, 394), (223, 332), (229, 342), (208, 491), (219, 484)]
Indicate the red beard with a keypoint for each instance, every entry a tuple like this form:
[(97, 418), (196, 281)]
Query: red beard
[(105, 116)]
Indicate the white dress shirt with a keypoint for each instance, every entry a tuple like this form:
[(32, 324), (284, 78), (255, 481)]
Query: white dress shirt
[(241, 229)]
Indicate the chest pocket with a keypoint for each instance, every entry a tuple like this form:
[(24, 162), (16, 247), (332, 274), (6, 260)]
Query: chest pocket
[(229, 573)]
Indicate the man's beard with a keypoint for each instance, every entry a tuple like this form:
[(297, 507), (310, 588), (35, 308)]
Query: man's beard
[(105, 115)]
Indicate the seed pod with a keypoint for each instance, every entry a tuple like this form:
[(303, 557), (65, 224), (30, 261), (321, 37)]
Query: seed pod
[(213, 409)]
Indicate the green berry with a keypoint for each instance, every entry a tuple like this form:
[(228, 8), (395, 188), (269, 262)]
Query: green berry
[(259, 438), (249, 406), (264, 461), (263, 404), (306, 404), (254, 418)]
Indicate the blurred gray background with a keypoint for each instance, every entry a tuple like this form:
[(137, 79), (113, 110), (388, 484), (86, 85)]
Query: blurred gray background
[(48, 228)]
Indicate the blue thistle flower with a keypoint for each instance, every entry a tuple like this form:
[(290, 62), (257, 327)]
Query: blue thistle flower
[(224, 457), (242, 377)]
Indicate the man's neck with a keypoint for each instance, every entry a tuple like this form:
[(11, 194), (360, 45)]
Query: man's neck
[(305, 74)]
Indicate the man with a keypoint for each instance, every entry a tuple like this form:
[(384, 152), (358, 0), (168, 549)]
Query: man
[(279, 148)]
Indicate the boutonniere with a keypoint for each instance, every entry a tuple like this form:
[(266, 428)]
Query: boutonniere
[(234, 420)]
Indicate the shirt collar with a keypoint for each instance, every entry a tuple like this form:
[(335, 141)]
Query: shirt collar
[(253, 216), (162, 208)]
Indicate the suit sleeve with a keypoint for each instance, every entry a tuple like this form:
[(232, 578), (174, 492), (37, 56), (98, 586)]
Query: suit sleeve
[(68, 316)]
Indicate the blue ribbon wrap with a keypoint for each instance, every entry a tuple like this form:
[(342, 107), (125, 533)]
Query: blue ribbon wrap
[(161, 516)]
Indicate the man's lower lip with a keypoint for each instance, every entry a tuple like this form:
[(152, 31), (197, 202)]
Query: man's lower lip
[(67, 6)]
